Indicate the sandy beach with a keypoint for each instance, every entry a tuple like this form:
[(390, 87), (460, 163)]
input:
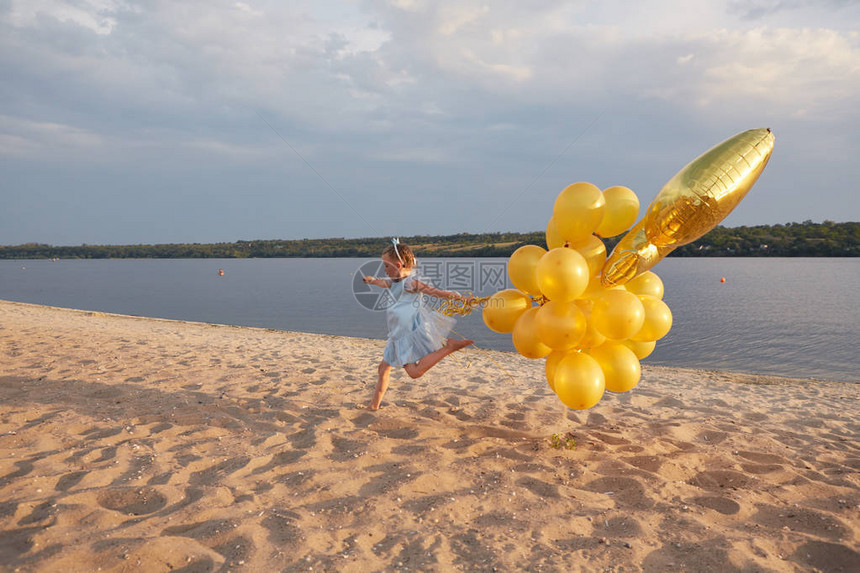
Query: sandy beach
[(135, 444)]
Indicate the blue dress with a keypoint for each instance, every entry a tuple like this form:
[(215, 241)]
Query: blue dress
[(414, 329)]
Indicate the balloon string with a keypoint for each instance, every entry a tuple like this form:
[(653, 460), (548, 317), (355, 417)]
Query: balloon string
[(487, 355), (459, 307)]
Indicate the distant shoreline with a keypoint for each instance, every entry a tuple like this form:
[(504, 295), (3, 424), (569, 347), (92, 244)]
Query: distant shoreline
[(805, 239)]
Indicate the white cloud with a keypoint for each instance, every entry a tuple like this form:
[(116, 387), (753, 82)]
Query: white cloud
[(21, 137), (95, 15), (501, 86), (454, 16)]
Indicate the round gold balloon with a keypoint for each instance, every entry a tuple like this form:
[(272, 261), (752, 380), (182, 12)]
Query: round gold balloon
[(560, 325), (658, 320), (553, 239), (594, 252), (522, 267), (592, 336), (562, 274), (525, 338), (640, 349), (577, 211), (621, 368), (646, 284), (502, 310), (692, 203), (622, 208), (552, 360), (579, 381), (618, 314)]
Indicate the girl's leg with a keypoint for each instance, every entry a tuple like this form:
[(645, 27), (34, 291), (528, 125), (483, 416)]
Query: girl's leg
[(417, 369), (381, 385)]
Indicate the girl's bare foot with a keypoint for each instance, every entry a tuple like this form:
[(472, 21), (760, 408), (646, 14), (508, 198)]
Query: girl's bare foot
[(456, 345)]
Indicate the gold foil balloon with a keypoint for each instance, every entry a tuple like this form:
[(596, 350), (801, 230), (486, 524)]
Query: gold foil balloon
[(622, 208), (521, 268), (525, 336), (692, 203), (562, 274), (640, 349), (618, 314), (646, 284), (577, 211), (502, 310), (578, 381), (594, 252), (560, 325), (658, 320), (553, 239), (620, 366)]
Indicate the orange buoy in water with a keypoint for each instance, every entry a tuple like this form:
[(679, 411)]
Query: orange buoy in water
[(221, 272), (722, 279)]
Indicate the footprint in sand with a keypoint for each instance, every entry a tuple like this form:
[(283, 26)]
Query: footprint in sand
[(280, 459), (202, 529), (135, 501), (538, 487), (823, 556), (801, 519), (715, 480), (719, 504), (216, 473), (235, 550), (364, 419), (398, 433), (625, 491), (346, 449), (623, 527), (391, 476), (70, 480), (45, 510)]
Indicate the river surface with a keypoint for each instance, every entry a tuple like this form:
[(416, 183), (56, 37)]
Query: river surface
[(797, 317)]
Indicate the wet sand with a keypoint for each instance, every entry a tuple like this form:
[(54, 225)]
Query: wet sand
[(134, 444)]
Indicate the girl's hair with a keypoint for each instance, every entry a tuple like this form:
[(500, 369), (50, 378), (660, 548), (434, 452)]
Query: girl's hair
[(407, 257)]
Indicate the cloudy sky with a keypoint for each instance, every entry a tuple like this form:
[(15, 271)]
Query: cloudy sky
[(155, 121)]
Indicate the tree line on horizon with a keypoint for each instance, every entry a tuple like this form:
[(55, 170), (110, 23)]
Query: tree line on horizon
[(807, 239)]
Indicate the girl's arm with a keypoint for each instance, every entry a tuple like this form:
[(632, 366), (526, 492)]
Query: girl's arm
[(384, 283), (418, 286)]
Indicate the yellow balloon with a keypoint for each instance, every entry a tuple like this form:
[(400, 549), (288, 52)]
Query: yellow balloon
[(553, 239), (658, 320), (525, 336), (562, 274), (641, 349), (618, 314), (502, 310), (692, 203), (522, 268), (646, 284), (579, 381), (620, 366), (592, 336), (577, 211), (560, 325), (594, 252), (622, 208), (552, 360)]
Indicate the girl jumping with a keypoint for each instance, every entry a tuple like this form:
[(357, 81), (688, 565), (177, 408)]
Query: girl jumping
[(416, 333)]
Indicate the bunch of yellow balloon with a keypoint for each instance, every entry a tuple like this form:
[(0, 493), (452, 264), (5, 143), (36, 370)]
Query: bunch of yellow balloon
[(592, 336)]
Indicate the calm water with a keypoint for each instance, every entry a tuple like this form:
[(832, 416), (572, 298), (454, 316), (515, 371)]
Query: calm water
[(789, 317)]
